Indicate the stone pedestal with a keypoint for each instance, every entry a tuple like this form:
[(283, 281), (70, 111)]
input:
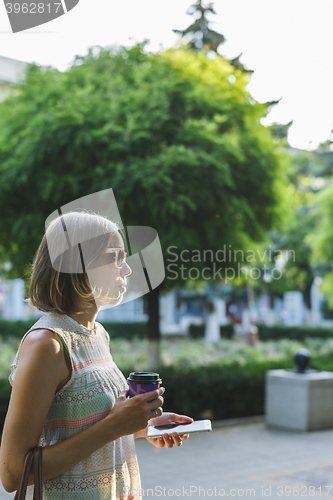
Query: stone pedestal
[(299, 401)]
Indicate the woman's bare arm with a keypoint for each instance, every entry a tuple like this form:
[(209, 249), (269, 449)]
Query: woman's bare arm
[(37, 377)]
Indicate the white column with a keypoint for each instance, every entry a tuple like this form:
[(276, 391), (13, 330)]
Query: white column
[(293, 307), (270, 321), (167, 307), (14, 308), (221, 307), (2, 296), (246, 321), (264, 307), (212, 329)]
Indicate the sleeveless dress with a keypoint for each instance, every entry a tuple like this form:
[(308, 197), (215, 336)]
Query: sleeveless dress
[(111, 472)]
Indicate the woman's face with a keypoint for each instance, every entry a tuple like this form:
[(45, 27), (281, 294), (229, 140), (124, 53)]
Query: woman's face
[(109, 279)]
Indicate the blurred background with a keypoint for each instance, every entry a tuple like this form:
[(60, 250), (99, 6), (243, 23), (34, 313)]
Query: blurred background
[(212, 123)]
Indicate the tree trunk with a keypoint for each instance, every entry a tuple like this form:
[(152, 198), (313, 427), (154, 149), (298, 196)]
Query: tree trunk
[(307, 302), (250, 301), (153, 328), (307, 294)]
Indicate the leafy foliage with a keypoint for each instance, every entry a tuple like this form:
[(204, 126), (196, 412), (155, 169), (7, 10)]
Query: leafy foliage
[(181, 146), (299, 333)]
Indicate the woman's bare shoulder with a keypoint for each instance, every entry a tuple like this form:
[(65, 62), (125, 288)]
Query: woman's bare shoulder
[(43, 350), (41, 340)]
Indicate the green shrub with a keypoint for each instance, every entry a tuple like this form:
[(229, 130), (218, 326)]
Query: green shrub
[(125, 330), (17, 329), (228, 391), (197, 331), (276, 332), (5, 390), (227, 331), (227, 378)]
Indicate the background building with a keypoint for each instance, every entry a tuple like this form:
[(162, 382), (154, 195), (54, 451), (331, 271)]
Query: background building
[(10, 72)]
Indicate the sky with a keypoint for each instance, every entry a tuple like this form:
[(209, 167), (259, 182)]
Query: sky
[(288, 44)]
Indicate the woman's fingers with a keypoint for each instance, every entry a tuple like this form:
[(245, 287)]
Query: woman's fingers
[(176, 439), (148, 396), (183, 419), (172, 440), (123, 394), (153, 405), (157, 412), (168, 441)]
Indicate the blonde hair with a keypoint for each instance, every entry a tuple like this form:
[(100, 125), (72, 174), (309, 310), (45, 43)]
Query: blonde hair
[(53, 290)]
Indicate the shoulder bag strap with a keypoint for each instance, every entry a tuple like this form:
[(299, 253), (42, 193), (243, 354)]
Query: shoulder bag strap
[(34, 455), (38, 473)]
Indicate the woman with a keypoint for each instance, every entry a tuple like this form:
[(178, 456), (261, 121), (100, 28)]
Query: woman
[(67, 393)]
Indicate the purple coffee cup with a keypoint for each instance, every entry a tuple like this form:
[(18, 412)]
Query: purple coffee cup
[(141, 382)]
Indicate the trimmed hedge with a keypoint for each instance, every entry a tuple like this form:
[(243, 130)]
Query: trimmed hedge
[(5, 390), (16, 329), (277, 332), (125, 330), (115, 329), (227, 391), (139, 329), (197, 331)]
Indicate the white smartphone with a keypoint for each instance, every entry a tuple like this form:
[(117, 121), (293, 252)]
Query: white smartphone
[(182, 428)]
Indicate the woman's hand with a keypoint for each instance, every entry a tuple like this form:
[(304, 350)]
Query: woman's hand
[(130, 415), (168, 440)]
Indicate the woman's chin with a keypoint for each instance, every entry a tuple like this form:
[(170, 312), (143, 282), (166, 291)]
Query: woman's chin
[(114, 301)]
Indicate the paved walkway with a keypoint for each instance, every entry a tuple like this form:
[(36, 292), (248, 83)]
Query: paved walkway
[(241, 461), (238, 461)]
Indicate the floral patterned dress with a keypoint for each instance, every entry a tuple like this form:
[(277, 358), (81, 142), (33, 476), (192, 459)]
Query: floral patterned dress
[(111, 472)]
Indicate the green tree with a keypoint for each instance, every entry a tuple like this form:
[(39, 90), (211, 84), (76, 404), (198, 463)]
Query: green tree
[(298, 273), (321, 165), (181, 146), (308, 175), (322, 240), (200, 37)]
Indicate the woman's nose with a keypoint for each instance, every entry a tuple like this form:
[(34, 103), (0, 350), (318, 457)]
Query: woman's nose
[(126, 270)]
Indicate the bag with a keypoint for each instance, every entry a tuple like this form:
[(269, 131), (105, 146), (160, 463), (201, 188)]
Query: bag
[(34, 456)]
